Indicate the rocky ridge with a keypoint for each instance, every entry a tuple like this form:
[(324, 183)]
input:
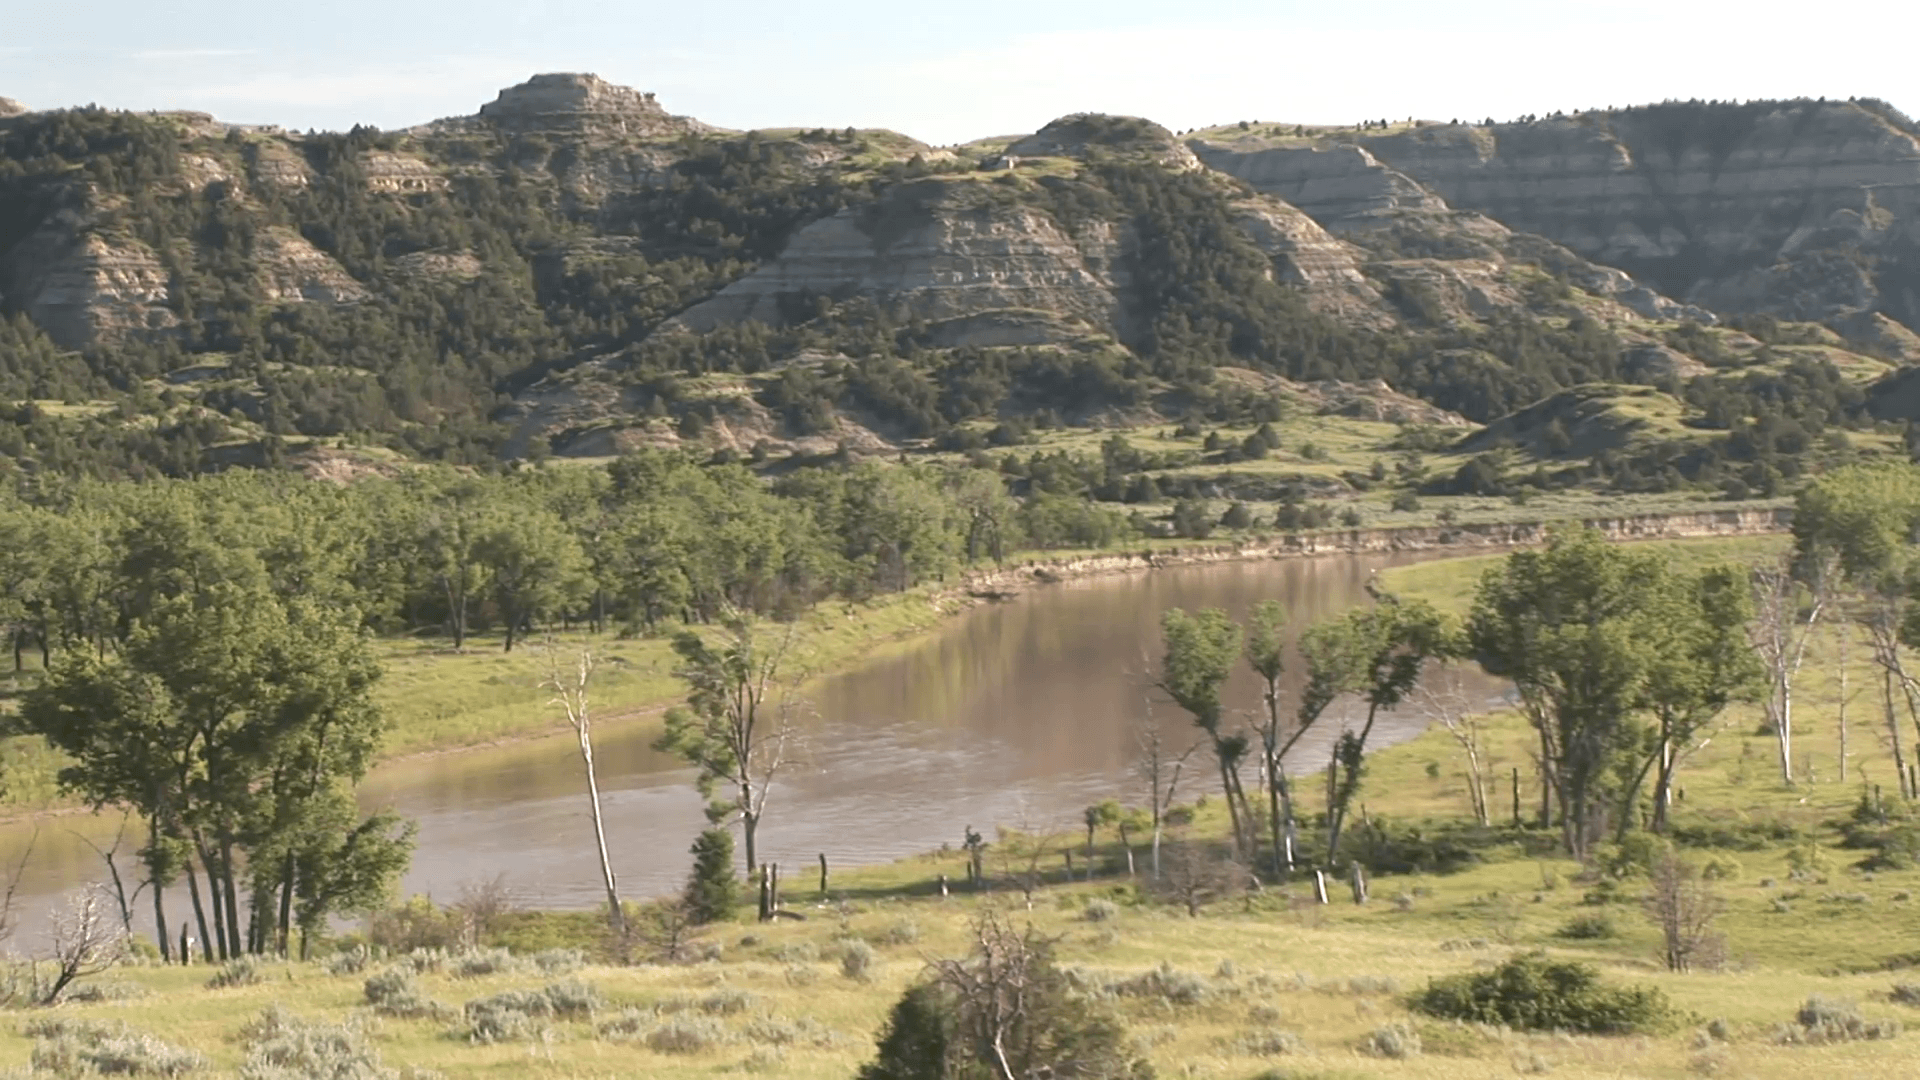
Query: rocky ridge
[(1802, 209)]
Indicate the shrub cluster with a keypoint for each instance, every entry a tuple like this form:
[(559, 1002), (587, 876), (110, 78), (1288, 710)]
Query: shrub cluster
[(1825, 1020), (1534, 993), (65, 1047)]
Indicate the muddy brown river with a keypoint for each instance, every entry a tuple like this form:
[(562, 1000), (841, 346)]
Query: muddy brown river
[(1022, 711)]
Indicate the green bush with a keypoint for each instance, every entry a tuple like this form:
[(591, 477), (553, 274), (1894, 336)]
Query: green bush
[(713, 888), (1535, 993)]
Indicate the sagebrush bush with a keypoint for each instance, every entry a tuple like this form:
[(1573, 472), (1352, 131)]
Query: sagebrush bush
[(572, 999), (478, 963), (1269, 1042), (240, 971), (111, 990), (426, 961), (856, 960), (1905, 993), (772, 1030), (552, 962), (900, 932), (1586, 928), (1099, 910), (686, 1034), (1396, 1040), (626, 1024), (395, 993), (1166, 984), (504, 1016), (796, 952), (282, 1046), (89, 1048), (1826, 1020), (351, 961), (727, 1003), (1534, 993)]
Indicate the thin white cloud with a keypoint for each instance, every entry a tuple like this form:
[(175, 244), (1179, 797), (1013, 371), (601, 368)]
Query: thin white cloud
[(188, 54)]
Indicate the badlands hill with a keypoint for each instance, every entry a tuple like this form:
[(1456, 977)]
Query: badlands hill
[(576, 269)]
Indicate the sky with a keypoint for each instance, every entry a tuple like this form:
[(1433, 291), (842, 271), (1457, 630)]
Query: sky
[(952, 72)]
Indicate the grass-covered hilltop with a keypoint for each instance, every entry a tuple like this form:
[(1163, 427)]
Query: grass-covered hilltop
[(323, 450)]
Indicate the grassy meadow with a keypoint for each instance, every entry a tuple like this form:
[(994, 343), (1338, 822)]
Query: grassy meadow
[(1262, 984)]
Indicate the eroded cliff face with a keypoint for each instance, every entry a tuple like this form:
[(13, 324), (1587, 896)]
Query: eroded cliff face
[(84, 288), (1341, 186), (952, 251), (1805, 210), (1415, 239), (1307, 256)]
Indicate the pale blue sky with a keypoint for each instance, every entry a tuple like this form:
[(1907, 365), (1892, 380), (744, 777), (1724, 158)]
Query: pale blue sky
[(953, 71)]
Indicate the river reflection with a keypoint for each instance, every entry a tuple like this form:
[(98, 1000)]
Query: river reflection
[(1019, 711)]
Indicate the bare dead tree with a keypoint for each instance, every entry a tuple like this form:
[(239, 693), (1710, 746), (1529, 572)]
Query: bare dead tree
[(87, 941), (1445, 701), (8, 923), (570, 693), (480, 905), (997, 988), (108, 855), (1198, 875), (1684, 908), (1844, 695), (1160, 768), (1881, 618), (668, 931), (1022, 848), (1780, 631)]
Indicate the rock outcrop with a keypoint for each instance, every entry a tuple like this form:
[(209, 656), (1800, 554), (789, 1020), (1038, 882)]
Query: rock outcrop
[(288, 268), (85, 289), (1341, 186), (10, 107), (1306, 255), (1802, 209), (939, 250), (1460, 255), (566, 101)]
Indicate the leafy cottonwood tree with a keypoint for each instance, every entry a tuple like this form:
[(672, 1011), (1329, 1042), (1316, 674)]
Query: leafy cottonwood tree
[(1569, 626), (1200, 653), (1278, 732), (1377, 654), (1701, 664), (227, 720), (739, 726)]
